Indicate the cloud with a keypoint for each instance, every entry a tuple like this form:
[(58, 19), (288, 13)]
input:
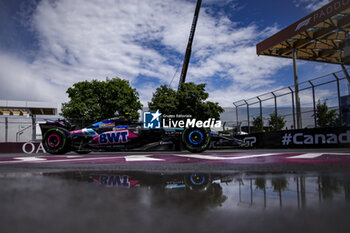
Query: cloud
[(21, 81), (101, 38), (142, 41), (311, 5)]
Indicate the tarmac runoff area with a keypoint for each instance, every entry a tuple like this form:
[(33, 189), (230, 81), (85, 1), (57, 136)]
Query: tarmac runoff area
[(221, 160)]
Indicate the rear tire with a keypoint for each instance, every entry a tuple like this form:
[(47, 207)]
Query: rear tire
[(57, 141), (196, 140)]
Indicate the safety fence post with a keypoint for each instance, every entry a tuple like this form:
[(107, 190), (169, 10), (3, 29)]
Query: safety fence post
[(6, 129), (275, 98), (314, 102), (260, 106), (33, 127), (236, 113), (339, 99), (293, 105), (247, 115)]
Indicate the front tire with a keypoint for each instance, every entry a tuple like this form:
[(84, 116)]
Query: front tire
[(197, 182), (57, 141), (196, 140)]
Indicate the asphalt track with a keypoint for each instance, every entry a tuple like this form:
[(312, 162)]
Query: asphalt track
[(223, 160)]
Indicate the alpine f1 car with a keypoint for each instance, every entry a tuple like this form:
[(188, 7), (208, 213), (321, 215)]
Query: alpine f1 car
[(117, 134), (121, 134)]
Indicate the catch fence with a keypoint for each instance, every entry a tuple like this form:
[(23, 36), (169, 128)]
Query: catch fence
[(332, 89)]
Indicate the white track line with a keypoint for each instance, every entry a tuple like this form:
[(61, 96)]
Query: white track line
[(210, 157)]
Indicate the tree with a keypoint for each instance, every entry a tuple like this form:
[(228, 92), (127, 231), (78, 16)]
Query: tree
[(260, 183), (258, 124), (329, 186), (325, 117), (189, 100), (98, 100), (276, 120), (279, 184), (164, 99)]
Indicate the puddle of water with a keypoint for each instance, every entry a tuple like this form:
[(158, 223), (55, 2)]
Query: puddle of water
[(174, 202)]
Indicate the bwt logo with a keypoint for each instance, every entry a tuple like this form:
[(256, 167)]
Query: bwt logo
[(114, 180), (114, 137), (151, 120)]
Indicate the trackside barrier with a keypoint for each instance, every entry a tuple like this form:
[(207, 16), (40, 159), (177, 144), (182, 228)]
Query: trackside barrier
[(337, 137), (22, 147)]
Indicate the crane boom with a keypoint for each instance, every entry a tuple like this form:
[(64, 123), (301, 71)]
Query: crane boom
[(189, 44)]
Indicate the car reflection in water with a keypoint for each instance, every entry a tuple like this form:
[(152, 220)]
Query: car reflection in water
[(112, 201), (194, 191), (200, 191)]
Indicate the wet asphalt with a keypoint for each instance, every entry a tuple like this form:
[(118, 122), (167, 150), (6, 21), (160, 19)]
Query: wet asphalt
[(175, 198)]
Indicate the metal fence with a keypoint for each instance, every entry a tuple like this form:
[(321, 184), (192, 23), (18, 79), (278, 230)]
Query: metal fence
[(20, 128), (332, 88)]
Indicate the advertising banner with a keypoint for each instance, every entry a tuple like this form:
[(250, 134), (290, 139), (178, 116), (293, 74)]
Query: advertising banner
[(304, 138)]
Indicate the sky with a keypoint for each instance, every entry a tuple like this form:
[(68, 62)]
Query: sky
[(46, 46)]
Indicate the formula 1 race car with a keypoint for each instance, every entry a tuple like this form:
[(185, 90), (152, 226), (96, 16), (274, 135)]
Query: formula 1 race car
[(118, 134), (199, 182)]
